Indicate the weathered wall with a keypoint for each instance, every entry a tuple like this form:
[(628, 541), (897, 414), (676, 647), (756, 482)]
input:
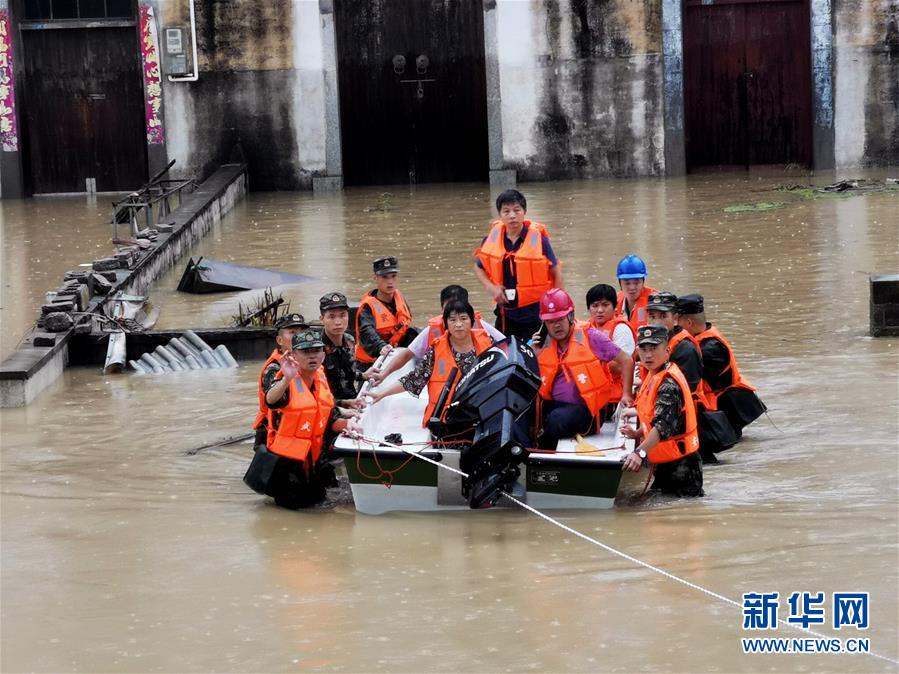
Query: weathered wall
[(866, 106), (581, 87), (261, 85)]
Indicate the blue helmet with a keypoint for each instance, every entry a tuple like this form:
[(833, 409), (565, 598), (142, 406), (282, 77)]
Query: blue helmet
[(631, 266)]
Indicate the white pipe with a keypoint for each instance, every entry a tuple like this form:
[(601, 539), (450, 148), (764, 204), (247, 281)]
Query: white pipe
[(195, 75)]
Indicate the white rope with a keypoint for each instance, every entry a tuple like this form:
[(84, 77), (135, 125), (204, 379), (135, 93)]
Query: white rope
[(608, 548)]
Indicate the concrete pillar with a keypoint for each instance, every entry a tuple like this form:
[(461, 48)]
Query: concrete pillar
[(673, 87), (333, 180), (500, 177), (823, 146)]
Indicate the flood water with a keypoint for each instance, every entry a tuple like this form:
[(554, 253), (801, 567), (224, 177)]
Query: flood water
[(122, 553)]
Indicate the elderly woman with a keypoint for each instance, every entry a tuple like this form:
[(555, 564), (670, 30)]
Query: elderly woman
[(459, 347)]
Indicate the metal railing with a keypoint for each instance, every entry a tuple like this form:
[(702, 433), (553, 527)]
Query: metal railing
[(146, 207)]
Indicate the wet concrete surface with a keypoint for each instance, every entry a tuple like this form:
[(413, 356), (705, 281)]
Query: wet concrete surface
[(122, 553)]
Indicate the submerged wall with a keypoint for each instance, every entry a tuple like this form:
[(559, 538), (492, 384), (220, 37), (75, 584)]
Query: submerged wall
[(866, 81), (581, 87), (261, 85)]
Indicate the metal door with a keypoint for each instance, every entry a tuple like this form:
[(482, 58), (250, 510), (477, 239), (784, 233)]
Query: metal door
[(413, 98), (747, 82)]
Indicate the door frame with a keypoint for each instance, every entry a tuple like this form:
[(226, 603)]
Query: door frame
[(823, 139)]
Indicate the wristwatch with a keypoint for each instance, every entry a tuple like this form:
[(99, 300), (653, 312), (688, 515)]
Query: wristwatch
[(641, 453)]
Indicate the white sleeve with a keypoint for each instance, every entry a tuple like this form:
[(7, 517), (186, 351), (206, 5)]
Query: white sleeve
[(495, 334), (624, 339), (420, 344)]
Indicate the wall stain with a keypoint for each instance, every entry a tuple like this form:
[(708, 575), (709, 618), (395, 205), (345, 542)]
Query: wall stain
[(245, 34), (881, 107)]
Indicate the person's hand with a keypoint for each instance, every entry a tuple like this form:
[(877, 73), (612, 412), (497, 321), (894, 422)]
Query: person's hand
[(353, 403), (387, 348), (629, 431), (627, 400), (375, 396), (373, 375), (628, 412), (632, 462), (498, 293), (289, 367), (353, 429)]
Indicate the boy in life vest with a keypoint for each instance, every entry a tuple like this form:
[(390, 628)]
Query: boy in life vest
[(667, 437), (286, 326), (517, 265), (634, 294), (426, 338), (576, 384), (302, 423), (601, 301), (340, 350), (725, 388), (384, 320)]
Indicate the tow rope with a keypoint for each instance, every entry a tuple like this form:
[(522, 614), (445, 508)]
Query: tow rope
[(607, 548)]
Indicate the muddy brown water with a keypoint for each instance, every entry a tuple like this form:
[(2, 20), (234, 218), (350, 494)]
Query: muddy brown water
[(121, 553)]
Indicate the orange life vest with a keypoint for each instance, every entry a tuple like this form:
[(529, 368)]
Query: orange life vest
[(444, 362), (436, 329), (615, 379), (262, 414), (579, 362), (530, 265), (737, 381), (700, 394), (390, 327), (678, 446), (638, 313), (303, 421)]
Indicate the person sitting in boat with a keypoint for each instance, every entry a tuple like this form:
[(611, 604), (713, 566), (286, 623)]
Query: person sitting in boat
[(667, 437), (286, 326), (459, 347), (384, 320), (634, 293), (434, 331), (725, 389), (302, 423), (601, 301), (340, 361), (516, 264), (576, 384)]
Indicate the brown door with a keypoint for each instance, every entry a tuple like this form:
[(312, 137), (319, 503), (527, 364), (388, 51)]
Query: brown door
[(84, 114), (747, 82), (413, 96)]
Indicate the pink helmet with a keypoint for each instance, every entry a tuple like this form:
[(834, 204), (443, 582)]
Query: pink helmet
[(555, 303)]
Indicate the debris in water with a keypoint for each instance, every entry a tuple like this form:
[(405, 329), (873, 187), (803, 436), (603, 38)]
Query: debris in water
[(213, 276), (262, 312), (754, 208)]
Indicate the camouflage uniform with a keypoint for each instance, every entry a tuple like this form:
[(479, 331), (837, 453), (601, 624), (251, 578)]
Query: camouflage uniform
[(684, 476), (340, 368)]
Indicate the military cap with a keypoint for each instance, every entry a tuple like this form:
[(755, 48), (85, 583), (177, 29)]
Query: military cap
[(661, 301), (386, 265), (333, 301), (649, 334), (690, 304), (307, 339), (290, 321)]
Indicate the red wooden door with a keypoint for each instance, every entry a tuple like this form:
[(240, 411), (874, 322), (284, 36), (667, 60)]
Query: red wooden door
[(747, 82)]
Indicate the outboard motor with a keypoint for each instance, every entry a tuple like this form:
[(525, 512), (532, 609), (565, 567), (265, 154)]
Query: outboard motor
[(494, 398)]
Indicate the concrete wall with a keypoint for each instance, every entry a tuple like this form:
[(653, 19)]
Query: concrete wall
[(261, 85), (581, 87), (866, 81)]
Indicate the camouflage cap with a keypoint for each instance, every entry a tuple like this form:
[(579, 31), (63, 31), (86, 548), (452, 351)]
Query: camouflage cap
[(333, 301), (307, 339), (661, 301), (386, 265), (290, 321), (649, 335)]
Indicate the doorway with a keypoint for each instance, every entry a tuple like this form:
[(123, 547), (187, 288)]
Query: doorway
[(747, 82), (413, 94)]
